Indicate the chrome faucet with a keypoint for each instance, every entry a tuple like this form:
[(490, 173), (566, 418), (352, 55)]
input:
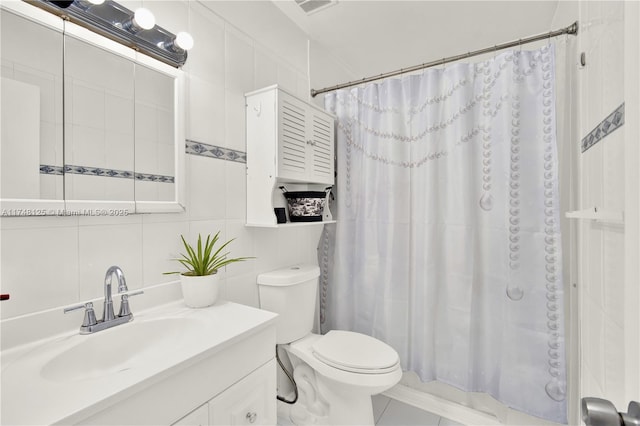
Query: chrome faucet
[(109, 319), (107, 313)]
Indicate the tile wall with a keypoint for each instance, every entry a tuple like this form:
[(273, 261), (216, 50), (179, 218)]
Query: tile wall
[(49, 262), (601, 279)]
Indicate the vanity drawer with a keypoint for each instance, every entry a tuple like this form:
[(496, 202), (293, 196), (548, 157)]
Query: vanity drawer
[(251, 401)]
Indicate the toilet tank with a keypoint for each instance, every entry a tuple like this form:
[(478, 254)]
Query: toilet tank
[(291, 293)]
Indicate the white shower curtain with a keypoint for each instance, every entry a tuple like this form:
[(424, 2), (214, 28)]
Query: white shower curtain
[(447, 245)]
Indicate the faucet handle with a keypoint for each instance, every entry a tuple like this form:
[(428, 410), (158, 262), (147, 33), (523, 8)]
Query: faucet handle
[(124, 302), (89, 313)]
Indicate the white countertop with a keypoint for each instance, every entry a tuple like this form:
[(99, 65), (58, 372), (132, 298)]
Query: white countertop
[(36, 390)]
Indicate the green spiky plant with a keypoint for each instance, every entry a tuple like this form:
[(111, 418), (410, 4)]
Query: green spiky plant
[(203, 260)]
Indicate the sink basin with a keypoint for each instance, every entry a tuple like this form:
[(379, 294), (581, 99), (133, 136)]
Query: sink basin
[(118, 349)]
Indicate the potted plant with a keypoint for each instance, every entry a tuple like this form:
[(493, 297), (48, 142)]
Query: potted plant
[(200, 283)]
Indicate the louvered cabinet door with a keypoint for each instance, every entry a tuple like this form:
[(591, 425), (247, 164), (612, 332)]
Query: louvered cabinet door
[(294, 143), (322, 148), (305, 151)]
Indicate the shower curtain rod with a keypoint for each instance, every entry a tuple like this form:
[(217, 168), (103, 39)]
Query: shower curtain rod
[(571, 29)]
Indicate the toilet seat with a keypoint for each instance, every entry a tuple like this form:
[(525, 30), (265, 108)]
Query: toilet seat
[(355, 352)]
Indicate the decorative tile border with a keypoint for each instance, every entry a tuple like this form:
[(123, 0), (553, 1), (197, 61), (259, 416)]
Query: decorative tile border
[(47, 169), (97, 171), (606, 127), (145, 177), (212, 151)]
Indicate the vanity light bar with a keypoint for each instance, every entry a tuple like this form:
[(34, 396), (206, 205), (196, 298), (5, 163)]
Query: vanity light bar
[(133, 29)]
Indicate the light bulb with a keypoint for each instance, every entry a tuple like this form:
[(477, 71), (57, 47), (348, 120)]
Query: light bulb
[(184, 40), (144, 19)]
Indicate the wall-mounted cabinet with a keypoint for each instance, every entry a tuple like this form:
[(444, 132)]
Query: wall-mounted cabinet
[(289, 142)]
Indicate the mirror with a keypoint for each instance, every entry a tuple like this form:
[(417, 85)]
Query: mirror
[(105, 136), (31, 149), (99, 123), (154, 135)]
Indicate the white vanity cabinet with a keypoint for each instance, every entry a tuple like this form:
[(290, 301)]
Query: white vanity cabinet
[(221, 372), (289, 142), (251, 401)]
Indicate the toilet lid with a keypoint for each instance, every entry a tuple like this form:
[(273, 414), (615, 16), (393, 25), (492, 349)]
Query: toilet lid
[(355, 352)]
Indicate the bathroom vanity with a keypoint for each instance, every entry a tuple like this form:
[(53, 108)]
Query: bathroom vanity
[(171, 365)]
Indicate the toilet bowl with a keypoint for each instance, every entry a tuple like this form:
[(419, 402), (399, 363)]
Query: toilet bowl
[(336, 373)]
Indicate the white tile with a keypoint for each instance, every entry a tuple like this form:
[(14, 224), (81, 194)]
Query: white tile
[(304, 91), (238, 61), (613, 273), (101, 247), (266, 69), (265, 249), (235, 130), (398, 413), (119, 151), (242, 246), (236, 190), (594, 95), (40, 222), (50, 143), (39, 269), (87, 105), (612, 47), (207, 227), (206, 111), (289, 243), (310, 239), (114, 219), (614, 363), (160, 244), (243, 289), (119, 113), (590, 385), (86, 147), (379, 403), (207, 58), (287, 78), (207, 188), (613, 185), (163, 217), (593, 332)]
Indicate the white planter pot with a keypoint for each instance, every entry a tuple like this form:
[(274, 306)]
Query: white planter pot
[(200, 292)]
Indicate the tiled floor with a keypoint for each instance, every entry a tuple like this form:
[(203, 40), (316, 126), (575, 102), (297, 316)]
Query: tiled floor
[(389, 412)]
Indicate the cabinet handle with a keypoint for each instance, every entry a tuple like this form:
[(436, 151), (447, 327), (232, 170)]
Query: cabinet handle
[(252, 416), (311, 142)]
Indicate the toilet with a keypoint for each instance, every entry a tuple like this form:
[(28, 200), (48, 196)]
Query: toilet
[(336, 373)]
